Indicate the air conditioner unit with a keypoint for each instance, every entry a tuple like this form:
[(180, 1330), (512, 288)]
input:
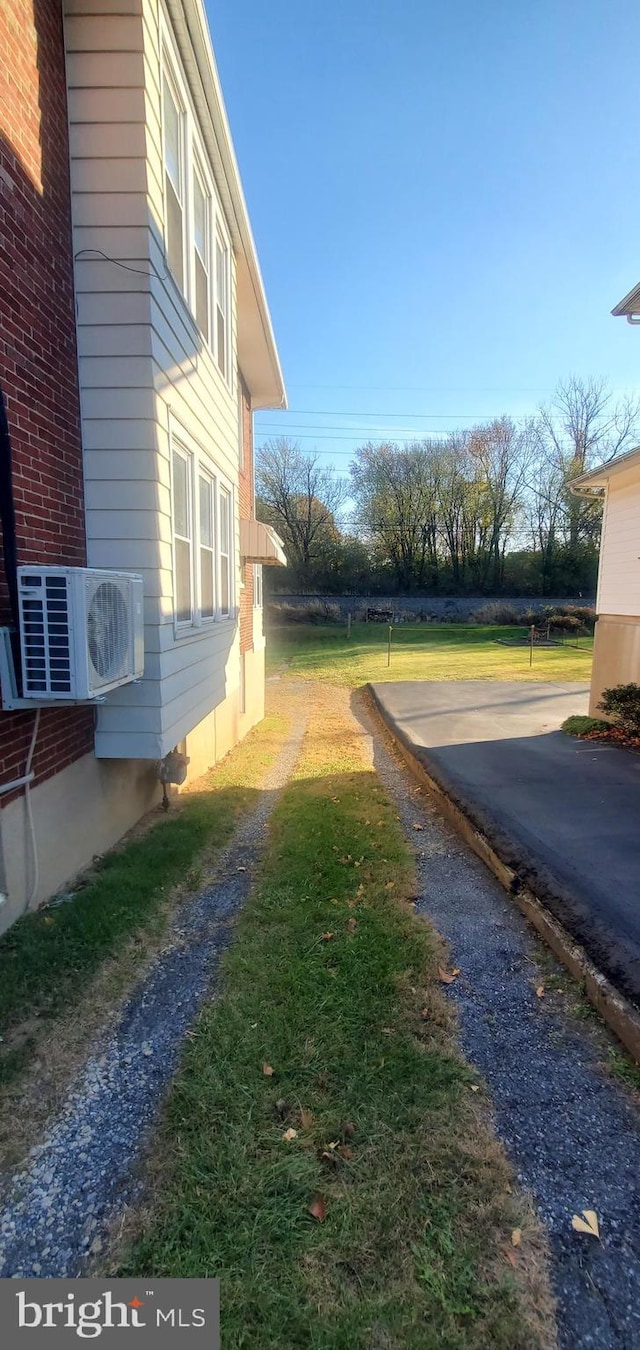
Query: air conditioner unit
[(81, 632)]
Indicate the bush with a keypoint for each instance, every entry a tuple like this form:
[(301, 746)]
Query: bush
[(565, 623), (585, 615), (315, 611), (496, 611), (623, 703)]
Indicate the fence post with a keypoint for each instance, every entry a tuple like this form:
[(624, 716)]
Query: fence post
[(533, 629), (389, 646)]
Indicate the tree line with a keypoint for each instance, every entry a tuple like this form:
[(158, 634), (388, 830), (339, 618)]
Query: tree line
[(485, 510)]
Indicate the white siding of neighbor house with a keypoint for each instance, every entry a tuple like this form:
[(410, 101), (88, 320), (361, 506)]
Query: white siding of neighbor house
[(619, 579), (144, 369)]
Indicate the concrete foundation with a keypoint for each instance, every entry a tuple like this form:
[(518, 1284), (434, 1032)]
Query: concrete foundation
[(616, 656), (88, 807)]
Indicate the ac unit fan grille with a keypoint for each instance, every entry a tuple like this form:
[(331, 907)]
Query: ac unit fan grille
[(108, 633)]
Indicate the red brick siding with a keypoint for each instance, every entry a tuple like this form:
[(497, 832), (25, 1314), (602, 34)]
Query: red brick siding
[(38, 365), (245, 503)]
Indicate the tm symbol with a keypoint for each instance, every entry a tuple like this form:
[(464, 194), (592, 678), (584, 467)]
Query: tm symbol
[(148, 1292)]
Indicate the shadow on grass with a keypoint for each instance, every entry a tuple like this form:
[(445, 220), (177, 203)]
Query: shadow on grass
[(49, 956)]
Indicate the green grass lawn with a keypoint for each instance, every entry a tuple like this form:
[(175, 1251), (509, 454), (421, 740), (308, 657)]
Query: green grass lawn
[(322, 1151), (49, 956), (420, 652)]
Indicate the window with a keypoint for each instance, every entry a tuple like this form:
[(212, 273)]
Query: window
[(201, 234), (207, 547), (222, 303), (257, 585), (225, 550), (172, 125), (182, 535)]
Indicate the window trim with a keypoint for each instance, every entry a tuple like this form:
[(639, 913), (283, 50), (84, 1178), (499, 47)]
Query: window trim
[(181, 451), (202, 466), (168, 76), (196, 162), (258, 585)]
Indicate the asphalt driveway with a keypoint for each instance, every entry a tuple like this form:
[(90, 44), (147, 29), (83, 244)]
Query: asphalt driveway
[(563, 813)]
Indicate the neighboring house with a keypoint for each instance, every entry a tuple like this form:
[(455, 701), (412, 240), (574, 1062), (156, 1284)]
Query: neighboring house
[(130, 420), (616, 658)]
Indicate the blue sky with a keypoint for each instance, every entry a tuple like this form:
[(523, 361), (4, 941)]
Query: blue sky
[(445, 199)]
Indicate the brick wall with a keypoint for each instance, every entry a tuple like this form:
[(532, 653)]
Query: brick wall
[(38, 366), (245, 504)]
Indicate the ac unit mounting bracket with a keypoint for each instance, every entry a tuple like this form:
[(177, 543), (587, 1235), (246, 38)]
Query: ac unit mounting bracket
[(11, 699)]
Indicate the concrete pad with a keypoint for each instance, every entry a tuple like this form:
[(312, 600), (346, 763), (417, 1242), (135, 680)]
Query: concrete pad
[(562, 813)]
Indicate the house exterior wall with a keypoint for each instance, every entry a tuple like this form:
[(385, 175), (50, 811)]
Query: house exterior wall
[(148, 377), (151, 381), (616, 657), (38, 367)]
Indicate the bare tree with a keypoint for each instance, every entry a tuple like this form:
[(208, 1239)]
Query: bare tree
[(583, 426), (301, 498), (396, 496)]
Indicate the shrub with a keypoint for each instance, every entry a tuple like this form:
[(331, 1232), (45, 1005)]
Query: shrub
[(565, 623), (623, 703), (315, 611), (496, 611)]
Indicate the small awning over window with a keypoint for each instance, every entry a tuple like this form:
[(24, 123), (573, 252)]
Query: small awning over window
[(260, 544)]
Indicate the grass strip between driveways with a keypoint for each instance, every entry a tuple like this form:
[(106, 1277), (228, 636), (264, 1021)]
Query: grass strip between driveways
[(49, 956), (367, 1116)]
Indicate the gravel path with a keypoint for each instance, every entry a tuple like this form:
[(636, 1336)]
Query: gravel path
[(571, 1132), (61, 1202)]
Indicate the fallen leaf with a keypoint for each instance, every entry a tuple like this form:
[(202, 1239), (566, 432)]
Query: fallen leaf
[(290, 1134), (444, 976), (474, 1087), (511, 1256), (267, 1070), (241, 869), (327, 937), (418, 827), (425, 1014), (317, 1208), (587, 1224), (352, 924), (327, 1157), (516, 1237), (390, 886), (306, 1119), (347, 1130), (282, 1105), (540, 991), (345, 1152)]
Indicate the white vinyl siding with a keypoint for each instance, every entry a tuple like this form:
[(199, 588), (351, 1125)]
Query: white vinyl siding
[(150, 379), (619, 580)]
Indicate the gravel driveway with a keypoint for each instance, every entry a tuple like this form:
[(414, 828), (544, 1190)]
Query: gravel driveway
[(62, 1201), (572, 1133)]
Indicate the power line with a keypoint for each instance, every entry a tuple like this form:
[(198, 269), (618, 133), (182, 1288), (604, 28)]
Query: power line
[(429, 417)]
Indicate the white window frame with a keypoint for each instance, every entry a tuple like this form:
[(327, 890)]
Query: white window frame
[(168, 75), (202, 466), (225, 491), (180, 451), (195, 161), (258, 584), (205, 474), (198, 175)]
